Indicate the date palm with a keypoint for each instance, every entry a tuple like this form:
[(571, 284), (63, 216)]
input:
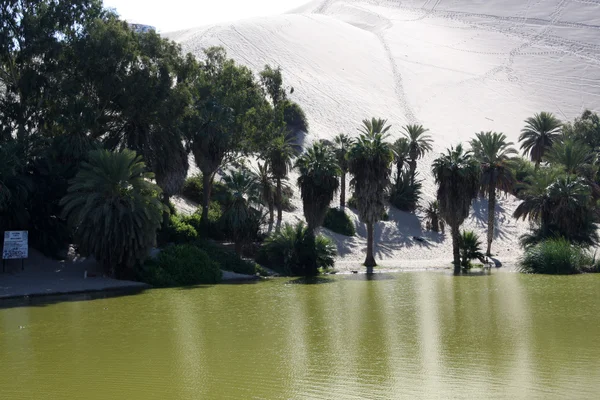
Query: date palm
[(342, 142), (401, 149), (370, 162), (240, 215), (114, 209), (279, 156), (538, 135), (457, 175), (571, 154), (419, 143), (493, 153)]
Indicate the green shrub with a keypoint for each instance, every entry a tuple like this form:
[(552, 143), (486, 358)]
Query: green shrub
[(214, 229), (228, 260), (179, 231), (339, 222), (405, 195), (470, 248), (289, 251), (180, 265), (555, 256), (193, 189)]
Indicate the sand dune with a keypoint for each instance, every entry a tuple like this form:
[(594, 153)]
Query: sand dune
[(457, 67)]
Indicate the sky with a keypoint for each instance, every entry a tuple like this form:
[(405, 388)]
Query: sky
[(171, 15)]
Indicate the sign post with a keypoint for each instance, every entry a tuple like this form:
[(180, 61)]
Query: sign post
[(16, 246)]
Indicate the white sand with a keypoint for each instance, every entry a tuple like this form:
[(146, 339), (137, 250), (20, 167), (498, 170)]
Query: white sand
[(457, 67)]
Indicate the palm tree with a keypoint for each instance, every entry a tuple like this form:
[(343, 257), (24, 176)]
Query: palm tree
[(264, 181), (571, 154), (419, 143), (370, 160), (240, 216), (343, 143), (457, 176), (114, 209), (470, 248), (560, 205), (279, 156), (318, 182), (432, 213), (401, 149), (493, 152), (538, 135)]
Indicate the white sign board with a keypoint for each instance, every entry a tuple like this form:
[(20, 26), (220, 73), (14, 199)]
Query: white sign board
[(15, 245)]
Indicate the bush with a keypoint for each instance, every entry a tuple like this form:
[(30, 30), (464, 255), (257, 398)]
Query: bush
[(294, 116), (228, 260), (193, 189), (470, 248), (339, 222), (179, 231), (180, 265), (405, 195), (289, 251), (555, 256)]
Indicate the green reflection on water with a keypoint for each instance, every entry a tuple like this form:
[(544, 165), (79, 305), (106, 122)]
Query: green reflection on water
[(407, 335)]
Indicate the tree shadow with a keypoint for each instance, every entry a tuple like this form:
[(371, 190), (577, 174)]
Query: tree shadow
[(480, 215), (48, 300), (313, 280), (376, 276)]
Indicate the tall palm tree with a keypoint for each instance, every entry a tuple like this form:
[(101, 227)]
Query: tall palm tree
[(374, 126), (560, 205), (493, 153), (370, 162), (457, 176), (343, 143), (538, 135), (401, 149), (114, 209), (318, 182), (266, 187), (240, 215), (419, 143), (279, 156)]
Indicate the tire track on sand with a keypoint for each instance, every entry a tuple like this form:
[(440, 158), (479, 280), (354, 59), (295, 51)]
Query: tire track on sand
[(398, 81)]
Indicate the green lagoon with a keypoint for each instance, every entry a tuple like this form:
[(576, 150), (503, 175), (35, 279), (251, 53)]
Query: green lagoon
[(405, 335)]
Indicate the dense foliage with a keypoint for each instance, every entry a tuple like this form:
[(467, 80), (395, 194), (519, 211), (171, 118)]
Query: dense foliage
[(555, 256), (336, 220), (180, 265)]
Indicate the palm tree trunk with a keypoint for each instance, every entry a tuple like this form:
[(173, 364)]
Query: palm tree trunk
[(398, 172), (311, 268), (343, 191), (370, 260), (271, 215), (491, 215), (456, 249), (279, 205), (413, 169), (167, 211), (206, 189)]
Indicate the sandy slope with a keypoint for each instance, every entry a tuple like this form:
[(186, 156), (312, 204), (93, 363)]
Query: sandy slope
[(455, 66)]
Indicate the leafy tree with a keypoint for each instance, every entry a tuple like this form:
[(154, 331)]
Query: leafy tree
[(272, 82), (585, 129), (226, 100), (457, 176), (343, 143), (294, 116), (370, 161), (493, 153), (538, 135), (560, 205), (419, 143), (240, 215), (15, 189), (114, 210)]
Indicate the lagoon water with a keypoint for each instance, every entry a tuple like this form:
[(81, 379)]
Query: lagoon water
[(408, 335)]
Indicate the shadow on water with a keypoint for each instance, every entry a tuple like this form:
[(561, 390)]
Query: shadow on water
[(317, 280), (377, 276), (43, 301)]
